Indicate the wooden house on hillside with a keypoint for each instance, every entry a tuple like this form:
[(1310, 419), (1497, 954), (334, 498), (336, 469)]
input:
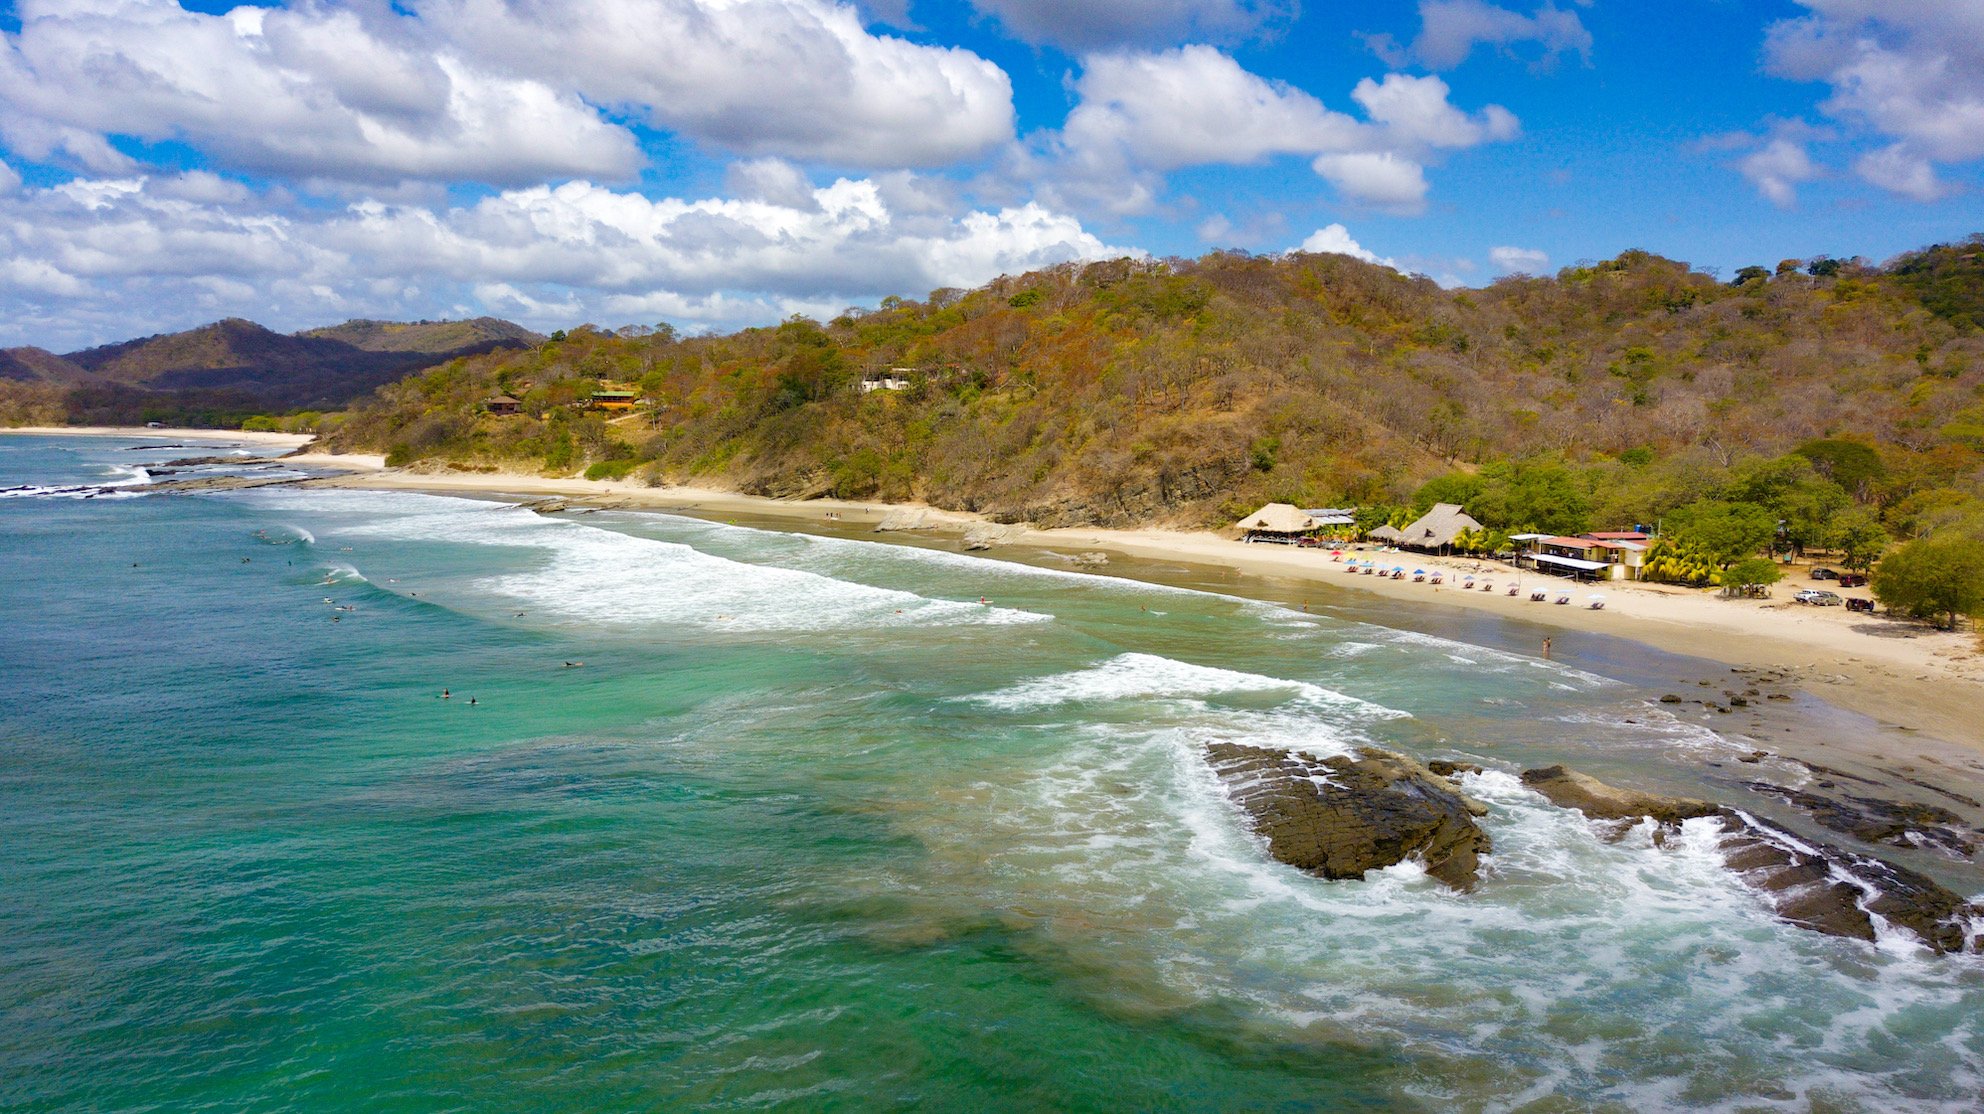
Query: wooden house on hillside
[(616, 400), (503, 404)]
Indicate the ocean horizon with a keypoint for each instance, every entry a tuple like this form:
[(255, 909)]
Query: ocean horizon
[(335, 799)]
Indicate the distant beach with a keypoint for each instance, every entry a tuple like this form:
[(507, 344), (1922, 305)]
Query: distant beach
[(167, 433), (1899, 673)]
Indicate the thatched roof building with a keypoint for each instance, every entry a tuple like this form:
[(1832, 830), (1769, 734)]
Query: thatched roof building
[(1277, 520), (1434, 530)]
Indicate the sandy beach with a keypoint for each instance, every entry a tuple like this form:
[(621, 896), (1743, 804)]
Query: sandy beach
[(169, 433), (1899, 673)]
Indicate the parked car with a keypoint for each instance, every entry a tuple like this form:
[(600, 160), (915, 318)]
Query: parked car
[(1824, 574), (1819, 597), (1860, 605), (1852, 579)]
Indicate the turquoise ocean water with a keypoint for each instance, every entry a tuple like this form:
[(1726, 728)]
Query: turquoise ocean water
[(813, 828)]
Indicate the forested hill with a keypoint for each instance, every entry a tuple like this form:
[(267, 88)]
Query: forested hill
[(1132, 391), (224, 372)]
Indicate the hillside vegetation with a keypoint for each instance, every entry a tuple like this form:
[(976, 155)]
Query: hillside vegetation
[(1191, 391)]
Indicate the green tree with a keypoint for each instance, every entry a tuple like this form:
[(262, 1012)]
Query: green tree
[(1454, 487), (1725, 532), (1852, 465), (1750, 573), (1804, 502), (1937, 578), (1860, 540)]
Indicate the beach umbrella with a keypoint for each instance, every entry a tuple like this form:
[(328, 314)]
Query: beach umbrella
[(1419, 572)]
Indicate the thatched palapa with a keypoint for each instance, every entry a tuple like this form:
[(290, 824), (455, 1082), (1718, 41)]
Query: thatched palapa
[(1277, 520), (1434, 530)]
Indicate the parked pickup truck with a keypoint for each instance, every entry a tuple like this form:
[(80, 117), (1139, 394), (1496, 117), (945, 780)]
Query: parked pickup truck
[(1852, 579)]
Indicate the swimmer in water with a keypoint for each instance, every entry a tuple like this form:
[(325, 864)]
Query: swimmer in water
[(445, 694)]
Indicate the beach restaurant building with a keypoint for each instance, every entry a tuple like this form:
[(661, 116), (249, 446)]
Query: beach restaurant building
[(1432, 532), (1608, 556), (1276, 522)]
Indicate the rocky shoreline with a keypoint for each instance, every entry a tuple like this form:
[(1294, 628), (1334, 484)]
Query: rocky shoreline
[(1343, 816)]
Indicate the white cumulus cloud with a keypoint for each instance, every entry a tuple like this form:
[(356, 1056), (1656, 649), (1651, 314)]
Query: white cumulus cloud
[(311, 91), (1335, 239), (503, 92), (1909, 71), (1378, 178), (1451, 29), (1776, 168), (793, 78), (1514, 260), (1140, 112), (549, 254)]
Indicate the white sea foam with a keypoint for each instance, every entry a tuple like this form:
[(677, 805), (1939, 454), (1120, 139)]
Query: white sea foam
[(875, 553), (603, 576), (126, 475), (1148, 676), (1574, 968)]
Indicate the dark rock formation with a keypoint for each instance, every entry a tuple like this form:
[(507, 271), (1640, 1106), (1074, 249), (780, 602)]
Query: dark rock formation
[(1451, 769), (1339, 817), (1896, 823), (1810, 884), (1566, 788)]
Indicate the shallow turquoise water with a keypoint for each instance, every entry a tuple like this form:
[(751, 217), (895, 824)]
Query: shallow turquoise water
[(812, 827)]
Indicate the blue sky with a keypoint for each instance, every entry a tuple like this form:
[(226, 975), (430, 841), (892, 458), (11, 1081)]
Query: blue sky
[(717, 163)]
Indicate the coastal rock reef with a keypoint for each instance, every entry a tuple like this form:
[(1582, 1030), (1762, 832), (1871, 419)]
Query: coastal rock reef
[(1811, 884), (1346, 815), (1340, 817)]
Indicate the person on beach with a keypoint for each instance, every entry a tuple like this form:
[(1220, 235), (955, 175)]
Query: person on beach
[(1546, 647)]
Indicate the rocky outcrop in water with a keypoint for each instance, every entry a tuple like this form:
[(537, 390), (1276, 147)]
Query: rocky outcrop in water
[(908, 518), (985, 535), (218, 483), (1340, 817), (1810, 884), (1895, 823), (1567, 788)]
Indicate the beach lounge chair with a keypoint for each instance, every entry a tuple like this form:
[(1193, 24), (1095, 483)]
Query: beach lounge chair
[(1563, 597), (1438, 577), (1514, 589), (1487, 585), (1538, 596), (1418, 576)]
